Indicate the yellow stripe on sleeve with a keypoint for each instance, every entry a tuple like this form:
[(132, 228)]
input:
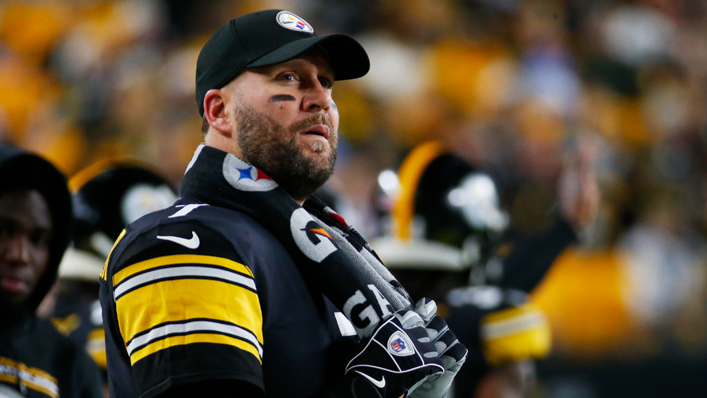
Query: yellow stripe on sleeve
[(190, 339), (514, 334), (33, 378), (511, 313), (41, 388), (179, 259), (104, 272), (183, 299), (96, 347), (12, 379)]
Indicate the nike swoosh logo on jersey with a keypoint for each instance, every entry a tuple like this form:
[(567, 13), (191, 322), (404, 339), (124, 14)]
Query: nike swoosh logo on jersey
[(378, 383), (192, 243)]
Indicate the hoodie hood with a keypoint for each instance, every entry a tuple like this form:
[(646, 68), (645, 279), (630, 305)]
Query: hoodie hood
[(19, 168)]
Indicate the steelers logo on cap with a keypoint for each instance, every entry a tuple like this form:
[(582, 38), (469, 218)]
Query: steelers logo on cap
[(291, 21)]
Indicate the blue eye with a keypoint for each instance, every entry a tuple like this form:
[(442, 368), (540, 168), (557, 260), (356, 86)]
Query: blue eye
[(288, 77)]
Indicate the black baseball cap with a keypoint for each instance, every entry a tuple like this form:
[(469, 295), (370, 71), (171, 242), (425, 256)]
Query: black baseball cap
[(266, 38)]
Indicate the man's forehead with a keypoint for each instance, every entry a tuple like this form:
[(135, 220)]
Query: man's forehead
[(27, 205)]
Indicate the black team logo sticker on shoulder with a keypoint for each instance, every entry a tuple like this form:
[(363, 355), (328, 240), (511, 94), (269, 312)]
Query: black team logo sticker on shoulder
[(311, 238)]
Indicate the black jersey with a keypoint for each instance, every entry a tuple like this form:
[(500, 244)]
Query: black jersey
[(38, 362), (196, 292)]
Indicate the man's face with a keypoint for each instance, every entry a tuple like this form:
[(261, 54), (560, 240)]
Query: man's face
[(286, 122), (25, 233)]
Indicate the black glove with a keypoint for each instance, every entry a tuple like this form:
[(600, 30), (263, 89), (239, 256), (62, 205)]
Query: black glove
[(397, 357)]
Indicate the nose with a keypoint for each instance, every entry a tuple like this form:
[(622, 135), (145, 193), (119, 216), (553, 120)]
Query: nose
[(17, 250), (317, 97)]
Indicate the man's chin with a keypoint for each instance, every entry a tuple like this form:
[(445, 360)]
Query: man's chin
[(317, 148), (320, 161), (11, 299), (12, 306), (315, 169), (320, 156)]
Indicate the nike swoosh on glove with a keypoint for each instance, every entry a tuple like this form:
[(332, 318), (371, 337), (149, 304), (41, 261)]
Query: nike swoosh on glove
[(449, 349), (397, 356)]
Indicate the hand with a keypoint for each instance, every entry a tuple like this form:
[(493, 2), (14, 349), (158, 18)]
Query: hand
[(398, 356), (578, 188), (449, 350)]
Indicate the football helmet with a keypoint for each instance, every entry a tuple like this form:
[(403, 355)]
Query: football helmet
[(108, 196), (437, 213)]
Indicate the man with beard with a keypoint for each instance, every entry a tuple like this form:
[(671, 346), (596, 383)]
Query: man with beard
[(35, 223), (247, 286)]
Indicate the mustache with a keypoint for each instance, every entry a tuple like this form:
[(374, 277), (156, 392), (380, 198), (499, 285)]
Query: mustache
[(319, 118)]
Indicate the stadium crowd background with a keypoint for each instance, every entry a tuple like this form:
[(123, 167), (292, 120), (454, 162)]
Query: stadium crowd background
[(514, 85)]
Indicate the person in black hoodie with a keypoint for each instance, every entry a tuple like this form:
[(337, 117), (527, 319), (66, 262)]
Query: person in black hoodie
[(35, 224)]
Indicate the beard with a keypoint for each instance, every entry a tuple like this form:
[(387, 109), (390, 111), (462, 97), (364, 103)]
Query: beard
[(274, 149)]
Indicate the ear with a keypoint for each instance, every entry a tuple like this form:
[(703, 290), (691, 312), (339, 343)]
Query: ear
[(216, 113)]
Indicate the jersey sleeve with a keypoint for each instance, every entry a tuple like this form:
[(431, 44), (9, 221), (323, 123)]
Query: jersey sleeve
[(186, 308)]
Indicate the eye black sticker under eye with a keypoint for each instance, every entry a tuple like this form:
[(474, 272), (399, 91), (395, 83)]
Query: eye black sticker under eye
[(281, 97)]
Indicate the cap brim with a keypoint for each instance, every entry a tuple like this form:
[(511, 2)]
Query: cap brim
[(347, 57)]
